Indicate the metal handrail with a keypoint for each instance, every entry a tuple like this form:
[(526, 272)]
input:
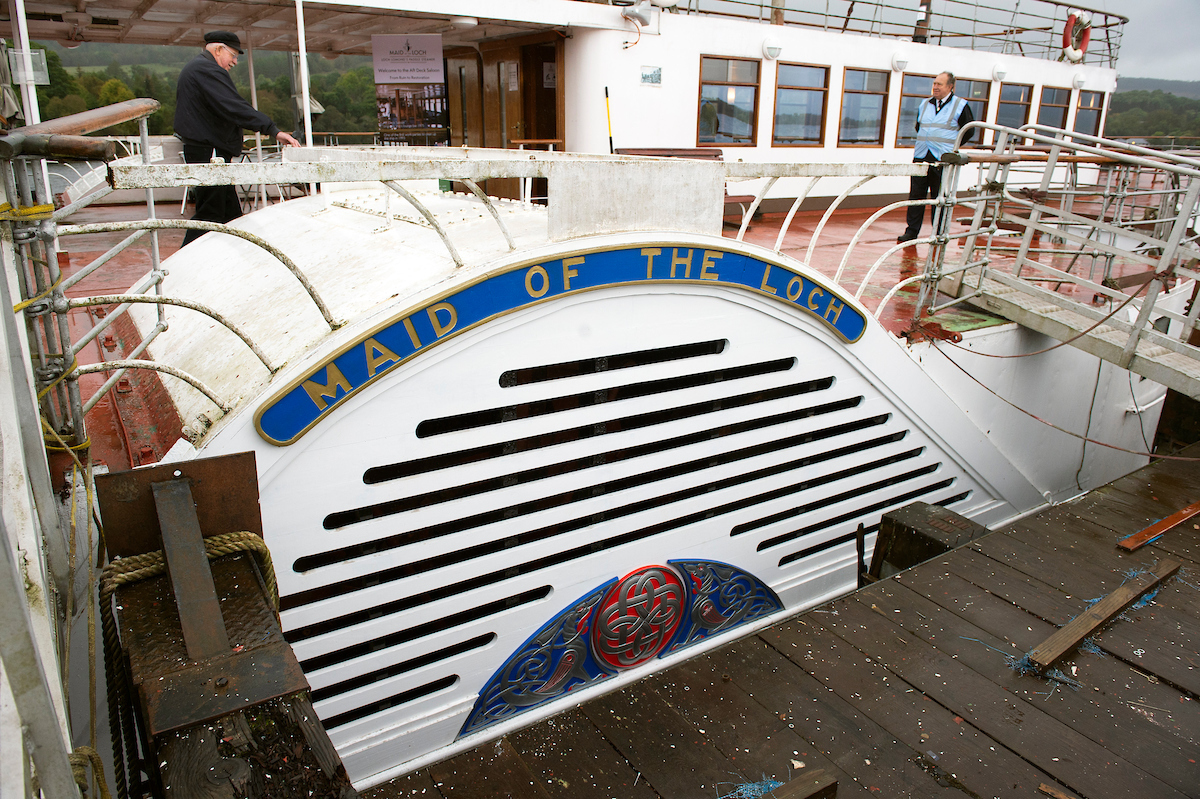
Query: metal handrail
[(1033, 29)]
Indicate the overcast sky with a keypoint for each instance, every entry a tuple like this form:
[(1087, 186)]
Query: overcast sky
[(1162, 39)]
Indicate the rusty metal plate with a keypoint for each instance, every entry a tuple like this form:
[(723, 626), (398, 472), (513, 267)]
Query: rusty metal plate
[(225, 490), (176, 692)]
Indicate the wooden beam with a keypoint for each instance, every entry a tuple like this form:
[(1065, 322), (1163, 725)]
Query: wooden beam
[(815, 784), (1158, 528), (1083, 625)]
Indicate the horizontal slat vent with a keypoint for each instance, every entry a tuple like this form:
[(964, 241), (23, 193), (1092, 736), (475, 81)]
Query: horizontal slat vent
[(848, 537), (395, 670), (608, 363), (587, 399), (409, 569), (390, 702)]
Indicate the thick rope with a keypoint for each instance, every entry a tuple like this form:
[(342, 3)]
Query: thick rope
[(81, 758), (125, 571)]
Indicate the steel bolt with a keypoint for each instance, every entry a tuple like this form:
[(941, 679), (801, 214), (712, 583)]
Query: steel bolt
[(222, 682)]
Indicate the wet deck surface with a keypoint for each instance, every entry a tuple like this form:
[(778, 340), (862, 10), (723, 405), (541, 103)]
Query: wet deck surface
[(904, 688)]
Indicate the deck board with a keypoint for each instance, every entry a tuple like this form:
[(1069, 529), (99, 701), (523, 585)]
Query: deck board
[(903, 688)]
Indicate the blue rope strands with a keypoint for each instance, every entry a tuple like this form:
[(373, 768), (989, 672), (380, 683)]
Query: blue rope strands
[(649, 613), (752, 790), (1021, 664), (1089, 646), (307, 400)]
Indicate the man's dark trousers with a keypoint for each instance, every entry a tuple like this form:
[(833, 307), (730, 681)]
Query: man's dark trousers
[(922, 187), (213, 203)]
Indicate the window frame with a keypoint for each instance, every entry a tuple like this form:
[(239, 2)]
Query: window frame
[(900, 109), (1098, 109), (986, 101), (1066, 108), (1000, 102), (757, 86), (824, 104), (883, 112)]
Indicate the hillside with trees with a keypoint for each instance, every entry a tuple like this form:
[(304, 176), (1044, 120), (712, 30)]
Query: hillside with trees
[(1152, 113), (97, 74)]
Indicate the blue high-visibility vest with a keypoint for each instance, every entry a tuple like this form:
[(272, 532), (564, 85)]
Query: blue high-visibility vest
[(938, 129)]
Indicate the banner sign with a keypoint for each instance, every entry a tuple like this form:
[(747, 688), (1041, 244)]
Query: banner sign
[(408, 59), (312, 397)]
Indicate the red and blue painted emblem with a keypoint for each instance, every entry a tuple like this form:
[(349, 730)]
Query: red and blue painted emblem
[(651, 612)]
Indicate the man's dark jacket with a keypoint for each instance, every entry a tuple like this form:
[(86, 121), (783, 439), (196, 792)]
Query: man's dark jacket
[(209, 111)]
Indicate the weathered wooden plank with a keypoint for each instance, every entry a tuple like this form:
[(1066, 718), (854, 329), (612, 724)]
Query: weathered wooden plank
[(1108, 680), (816, 784), (1153, 641), (759, 741), (1011, 585), (953, 751), (1121, 512), (1167, 488), (417, 785), (491, 771), (1072, 759), (1088, 556), (679, 761), (871, 755), (574, 761), (1143, 537), (1086, 623), (1098, 710), (1182, 544)]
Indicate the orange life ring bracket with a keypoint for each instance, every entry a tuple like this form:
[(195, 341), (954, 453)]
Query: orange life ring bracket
[(1075, 40)]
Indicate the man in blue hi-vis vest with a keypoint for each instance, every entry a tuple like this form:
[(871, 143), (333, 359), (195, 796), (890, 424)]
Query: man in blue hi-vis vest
[(938, 121)]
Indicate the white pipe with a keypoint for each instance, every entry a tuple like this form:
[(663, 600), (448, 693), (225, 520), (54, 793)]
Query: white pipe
[(303, 48), (28, 90), (262, 189)]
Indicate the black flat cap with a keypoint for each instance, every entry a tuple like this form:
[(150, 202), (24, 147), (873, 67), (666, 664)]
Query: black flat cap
[(224, 37)]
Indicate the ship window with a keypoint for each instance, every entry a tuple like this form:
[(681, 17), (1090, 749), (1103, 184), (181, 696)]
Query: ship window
[(1015, 99), (1053, 109), (975, 92), (864, 107), (1087, 114), (728, 101), (801, 92), (914, 90)]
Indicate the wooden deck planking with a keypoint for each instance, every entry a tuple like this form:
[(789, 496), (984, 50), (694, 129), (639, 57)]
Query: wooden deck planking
[(899, 690), (953, 751), (1014, 630), (1095, 710), (575, 761)]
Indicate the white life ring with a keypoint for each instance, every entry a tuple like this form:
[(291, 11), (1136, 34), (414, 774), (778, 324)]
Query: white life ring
[(1075, 41)]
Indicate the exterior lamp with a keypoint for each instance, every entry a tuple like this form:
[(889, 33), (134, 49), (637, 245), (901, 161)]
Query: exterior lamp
[(771, 48), (899, 63), (1079, 80), (998, 72)]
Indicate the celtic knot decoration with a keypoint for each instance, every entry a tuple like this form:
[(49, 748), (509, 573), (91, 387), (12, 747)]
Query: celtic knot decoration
[(651, 612)]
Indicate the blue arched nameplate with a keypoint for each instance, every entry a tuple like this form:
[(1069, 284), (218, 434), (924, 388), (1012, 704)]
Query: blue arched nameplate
[(304, 402)]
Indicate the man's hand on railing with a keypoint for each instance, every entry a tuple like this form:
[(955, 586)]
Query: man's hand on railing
[(286, 138)]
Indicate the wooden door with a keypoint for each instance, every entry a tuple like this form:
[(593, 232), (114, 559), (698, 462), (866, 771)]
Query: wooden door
[(465, 97), (503, 108)]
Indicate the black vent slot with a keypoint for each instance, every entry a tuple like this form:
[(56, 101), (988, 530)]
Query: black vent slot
[(550, 531), (343, 518), (392, 701), (830, 544), (426, 659), (583, 493), (403, 636), (608, 363), (864, 511), (395, 471), (848, 537), (570, 402), (825, 479)]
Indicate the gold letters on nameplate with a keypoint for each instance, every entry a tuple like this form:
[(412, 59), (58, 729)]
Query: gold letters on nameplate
[(305, 401)]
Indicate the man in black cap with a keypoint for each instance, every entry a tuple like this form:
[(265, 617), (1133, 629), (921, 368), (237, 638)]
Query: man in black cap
[(209, 117)]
